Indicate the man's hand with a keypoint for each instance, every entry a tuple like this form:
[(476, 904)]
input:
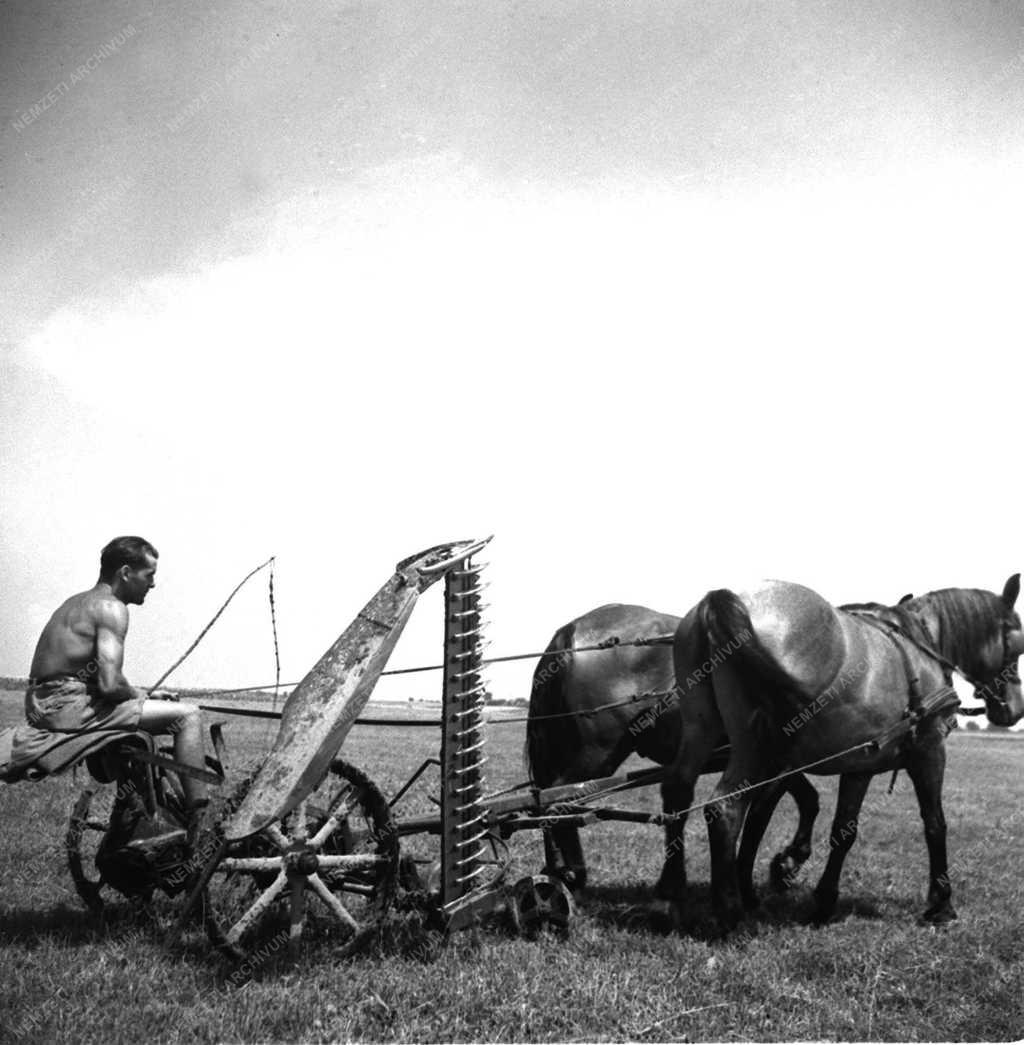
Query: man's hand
[(162, 694)]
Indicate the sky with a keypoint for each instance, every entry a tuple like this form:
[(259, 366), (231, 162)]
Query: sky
[(665, 296)]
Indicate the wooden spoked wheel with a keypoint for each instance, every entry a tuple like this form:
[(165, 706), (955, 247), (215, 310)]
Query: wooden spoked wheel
[(326, 874)]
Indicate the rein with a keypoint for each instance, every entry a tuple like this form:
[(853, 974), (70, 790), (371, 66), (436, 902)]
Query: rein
[(893, 630), (199, 638), (1007, 673)]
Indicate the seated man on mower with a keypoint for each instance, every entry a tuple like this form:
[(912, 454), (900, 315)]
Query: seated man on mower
[(77, 684)]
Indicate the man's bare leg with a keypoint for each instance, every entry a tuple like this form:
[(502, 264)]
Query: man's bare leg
[(184, 723)]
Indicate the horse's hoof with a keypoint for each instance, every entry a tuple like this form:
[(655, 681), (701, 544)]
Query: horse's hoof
[(744, 932), (821, 915), (783, 872), (671, 885), (728, 918), (824, 907), (941, 915), (663, 915), (733, 931), (635, 919), (671, 893)]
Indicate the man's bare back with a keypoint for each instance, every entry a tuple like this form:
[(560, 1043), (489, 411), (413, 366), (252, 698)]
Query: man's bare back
[(68, 643)]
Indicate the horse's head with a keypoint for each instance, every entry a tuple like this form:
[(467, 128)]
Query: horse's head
[(996, 678)]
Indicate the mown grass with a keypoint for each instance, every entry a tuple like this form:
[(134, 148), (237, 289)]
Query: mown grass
[(874, 974)]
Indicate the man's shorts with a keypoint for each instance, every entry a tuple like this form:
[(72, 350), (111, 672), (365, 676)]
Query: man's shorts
[(54, 709), (65, 705)]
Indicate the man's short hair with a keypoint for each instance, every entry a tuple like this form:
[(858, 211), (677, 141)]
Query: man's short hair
[(125, 551)]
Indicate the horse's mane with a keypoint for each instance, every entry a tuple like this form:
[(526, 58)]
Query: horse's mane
[(968, 618)]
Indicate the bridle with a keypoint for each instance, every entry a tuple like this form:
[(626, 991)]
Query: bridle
[(1008, 674), (983, 691)]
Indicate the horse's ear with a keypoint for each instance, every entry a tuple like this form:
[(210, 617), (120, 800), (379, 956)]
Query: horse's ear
[(1011, 591), (906, 598)]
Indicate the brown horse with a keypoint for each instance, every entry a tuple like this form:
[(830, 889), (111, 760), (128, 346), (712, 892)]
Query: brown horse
[(576, 745), (852, 692)]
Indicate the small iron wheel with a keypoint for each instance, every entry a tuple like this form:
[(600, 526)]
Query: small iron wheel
[(539, 901)]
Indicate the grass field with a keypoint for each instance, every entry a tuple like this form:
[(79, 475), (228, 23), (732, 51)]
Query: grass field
[(874, 974)]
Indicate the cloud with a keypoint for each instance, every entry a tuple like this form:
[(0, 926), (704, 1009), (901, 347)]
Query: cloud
[(389, 287), (419, 355)]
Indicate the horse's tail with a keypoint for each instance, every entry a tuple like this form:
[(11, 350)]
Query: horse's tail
[(730, 635), (550, 741)]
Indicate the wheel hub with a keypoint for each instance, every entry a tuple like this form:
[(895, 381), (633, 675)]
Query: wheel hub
[(304, 861)]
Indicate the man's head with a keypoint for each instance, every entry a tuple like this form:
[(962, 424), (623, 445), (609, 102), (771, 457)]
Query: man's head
[(128, 565)]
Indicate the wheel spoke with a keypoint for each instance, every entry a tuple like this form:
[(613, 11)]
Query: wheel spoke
[(251, 864), (335, 817), (277, 836), (298, 913), (353, 861), (332, 902), (299, 830), (258, 908)]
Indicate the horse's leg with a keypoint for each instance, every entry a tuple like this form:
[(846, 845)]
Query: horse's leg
[(563, 850), (700, 728), (926, 769), (677, 796), (563, 856), (852, 789), (749, 765), (725, 820), (671, 882), (786, 865), (761, 809)]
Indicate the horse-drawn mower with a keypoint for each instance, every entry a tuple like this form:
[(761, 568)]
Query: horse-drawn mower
[(308, 847)]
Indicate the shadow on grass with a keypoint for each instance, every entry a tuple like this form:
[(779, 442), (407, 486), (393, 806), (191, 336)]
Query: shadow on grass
[(797, 907), (69, 924), (73, 925), (632, 908)]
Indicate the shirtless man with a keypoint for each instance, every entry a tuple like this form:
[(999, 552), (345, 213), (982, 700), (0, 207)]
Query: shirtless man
[(77, 684)]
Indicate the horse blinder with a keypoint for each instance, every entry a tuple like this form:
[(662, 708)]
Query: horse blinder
[(994, 693)]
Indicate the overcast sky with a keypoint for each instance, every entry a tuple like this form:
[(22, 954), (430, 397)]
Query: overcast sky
[(667, 296)]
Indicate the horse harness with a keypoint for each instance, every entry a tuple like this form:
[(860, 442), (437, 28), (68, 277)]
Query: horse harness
[(939, 701)]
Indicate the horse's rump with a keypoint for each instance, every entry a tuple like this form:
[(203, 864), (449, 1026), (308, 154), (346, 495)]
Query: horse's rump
[(578, 745), (784, 635), (548, 738)]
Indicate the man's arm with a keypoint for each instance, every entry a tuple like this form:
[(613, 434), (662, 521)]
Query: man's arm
[(111, 629)]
